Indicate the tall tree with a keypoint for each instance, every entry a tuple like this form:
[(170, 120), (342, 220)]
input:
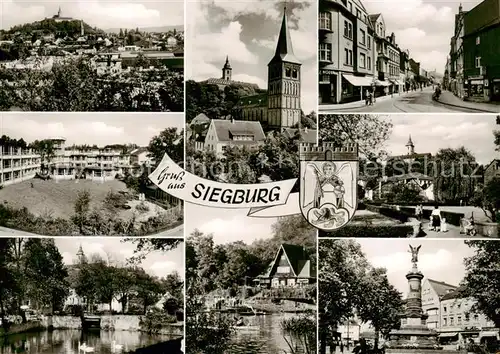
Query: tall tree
[(170, 141), (482, 279)]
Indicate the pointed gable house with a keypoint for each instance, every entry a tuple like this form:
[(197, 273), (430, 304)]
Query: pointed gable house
[(290, 267)]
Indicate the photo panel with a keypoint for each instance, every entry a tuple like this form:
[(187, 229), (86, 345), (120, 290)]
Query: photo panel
[(428, 57), (105, 56), (427, 175), (250, 283), (92, 295), (87, 174), (397, 296)]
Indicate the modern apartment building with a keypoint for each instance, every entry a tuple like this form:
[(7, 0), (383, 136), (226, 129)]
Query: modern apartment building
[(68, 162), (17, 164)]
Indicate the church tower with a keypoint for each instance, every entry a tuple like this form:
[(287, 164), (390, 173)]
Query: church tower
[(409, 145), (81, 256), (82, 29), (226, 70), (283, 82)]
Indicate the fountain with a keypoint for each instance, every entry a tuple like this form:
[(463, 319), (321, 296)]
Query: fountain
[(414, 336)]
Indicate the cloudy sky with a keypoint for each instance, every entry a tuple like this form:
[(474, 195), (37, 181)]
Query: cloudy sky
[(440, 260), (104, 14), (424, 27), (431, 132), (246, 31), (227, 225), (89, 128), (113, 249)]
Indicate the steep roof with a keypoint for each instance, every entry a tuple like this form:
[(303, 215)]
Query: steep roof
[(455, 294), (441, 288), (307, 135), (225, 128), (301, 266), (284, 49)]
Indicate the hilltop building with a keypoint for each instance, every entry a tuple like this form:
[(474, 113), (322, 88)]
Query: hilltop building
[(59, 17)]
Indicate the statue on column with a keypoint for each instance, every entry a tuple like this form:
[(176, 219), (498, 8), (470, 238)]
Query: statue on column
[(414, 253)]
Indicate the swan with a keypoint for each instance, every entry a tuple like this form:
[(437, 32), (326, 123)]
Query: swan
[(84, 348), (115, 346)]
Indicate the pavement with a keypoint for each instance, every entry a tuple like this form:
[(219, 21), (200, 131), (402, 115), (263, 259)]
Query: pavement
[(4, 231), (413, 102)]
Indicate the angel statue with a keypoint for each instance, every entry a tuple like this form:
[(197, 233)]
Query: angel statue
[(414, 253), (329, 187)]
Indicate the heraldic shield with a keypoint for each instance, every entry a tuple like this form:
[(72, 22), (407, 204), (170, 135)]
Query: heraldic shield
[(328, 184)]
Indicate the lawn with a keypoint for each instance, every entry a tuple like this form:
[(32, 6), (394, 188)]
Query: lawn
[(56, 199)]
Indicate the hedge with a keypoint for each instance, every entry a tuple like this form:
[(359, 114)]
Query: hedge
[(392, 231)]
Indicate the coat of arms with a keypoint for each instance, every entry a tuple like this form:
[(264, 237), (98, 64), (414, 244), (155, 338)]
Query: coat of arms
[(328, 184)]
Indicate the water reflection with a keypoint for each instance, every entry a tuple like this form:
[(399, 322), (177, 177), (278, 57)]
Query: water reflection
[(67, 342), (266, 338)]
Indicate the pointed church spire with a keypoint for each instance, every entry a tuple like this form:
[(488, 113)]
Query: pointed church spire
[(284, 49), (410, 146), (227, 65), (59, 12)]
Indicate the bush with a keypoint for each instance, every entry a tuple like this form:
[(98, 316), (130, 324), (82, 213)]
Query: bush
[(349, 231), (155, 320), (142, 207)]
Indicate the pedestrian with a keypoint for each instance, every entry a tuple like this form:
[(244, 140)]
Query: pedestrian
[(367, 98), (436, 219), (444, 226), (32, 185), (341, 346), (461, 201)]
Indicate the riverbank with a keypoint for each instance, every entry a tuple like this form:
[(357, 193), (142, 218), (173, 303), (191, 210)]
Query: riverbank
[(113, 323), (22, 328)]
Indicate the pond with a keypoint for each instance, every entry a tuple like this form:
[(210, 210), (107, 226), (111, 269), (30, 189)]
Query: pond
[(266, 339), (68, 341)]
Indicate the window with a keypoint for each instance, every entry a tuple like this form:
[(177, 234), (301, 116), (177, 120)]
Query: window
[(478, 62), (350, 7), (288, 72), (478, 40), (452, 321), (325, 52), (347, 29), (295, 74), (445, 321), (363, 37), (362, 61), (348, 57), (444, 309), (325, 20), (369, 64), (358, 13), (459, 320), (369, 42)]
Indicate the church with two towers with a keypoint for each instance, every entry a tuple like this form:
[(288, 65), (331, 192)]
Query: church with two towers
[(279, 107)]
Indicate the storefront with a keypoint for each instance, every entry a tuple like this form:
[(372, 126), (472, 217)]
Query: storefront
[(382, 87), (477, 89), (495, 90), (354, 88), (327, 86)]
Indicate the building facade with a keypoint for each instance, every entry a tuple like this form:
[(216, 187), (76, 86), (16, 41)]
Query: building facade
[(291, 267), (17, 164), (456, 72), (482, 52), (492, 171), (346, 51)]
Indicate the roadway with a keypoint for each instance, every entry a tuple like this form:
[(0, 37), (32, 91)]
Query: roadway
[(409, 102)]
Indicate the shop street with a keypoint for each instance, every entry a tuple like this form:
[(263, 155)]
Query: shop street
[(413, 102)]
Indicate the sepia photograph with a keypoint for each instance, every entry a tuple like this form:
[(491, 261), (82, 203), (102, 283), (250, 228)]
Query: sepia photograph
[(71, 174), (419, 175), (392, 296), (420, 57), (251, 88), (91, 295), (250, 283), (92, 56)]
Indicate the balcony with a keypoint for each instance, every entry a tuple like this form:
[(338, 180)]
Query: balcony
[(325, 27)]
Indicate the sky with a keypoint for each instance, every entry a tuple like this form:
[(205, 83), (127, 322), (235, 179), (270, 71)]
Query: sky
[(431, 132), (424, 27), (247, 31), (114, 249), (103, 14), (227, 225), (440, 260), (89, 128)]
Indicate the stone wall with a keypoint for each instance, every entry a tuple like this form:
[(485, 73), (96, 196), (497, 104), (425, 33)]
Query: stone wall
[(108, 322)]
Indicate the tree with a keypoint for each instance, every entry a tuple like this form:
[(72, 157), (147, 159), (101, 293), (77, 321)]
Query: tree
[(148, 288), (368, 131), (488, 199), (45, 273), (381, 303), (82, 208), (7, 279), (169, 141), (482, 279), (342, 268), (454, 174), (146, 245)]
